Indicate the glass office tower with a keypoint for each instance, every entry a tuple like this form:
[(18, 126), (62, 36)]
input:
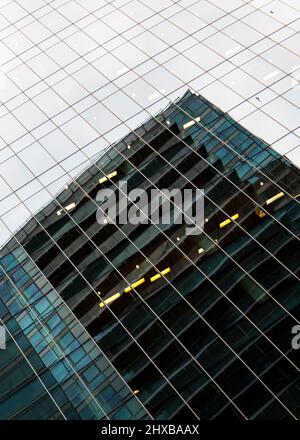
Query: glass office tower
[(142, 321)]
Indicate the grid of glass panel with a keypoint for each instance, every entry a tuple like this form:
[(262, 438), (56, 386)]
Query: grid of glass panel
[(210, 336)]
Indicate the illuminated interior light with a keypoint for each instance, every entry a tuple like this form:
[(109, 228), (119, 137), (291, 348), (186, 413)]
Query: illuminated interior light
[(121, 71), (134, 285), (103, 179), (178, 238), (105, 221), (137, 266), (206, 220), (136, 391), (110, 300), (260, 212), (128, 146), (274, 198), (235, 216), (229, 220), (225, 223), (155, 277), (261, 183), (109, 176), (168, 122), (200, 251), (71, 206), (191, 123), (138, 283), (165, 271), (67, 208), (159, 275), (271, 75)]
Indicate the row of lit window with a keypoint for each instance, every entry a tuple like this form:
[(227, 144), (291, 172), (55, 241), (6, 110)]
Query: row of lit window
[(133, 286)]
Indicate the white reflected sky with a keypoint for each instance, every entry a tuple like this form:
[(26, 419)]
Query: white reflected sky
[(77, 75)]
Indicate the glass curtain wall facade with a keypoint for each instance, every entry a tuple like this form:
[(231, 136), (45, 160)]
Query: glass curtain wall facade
[(143, 321)]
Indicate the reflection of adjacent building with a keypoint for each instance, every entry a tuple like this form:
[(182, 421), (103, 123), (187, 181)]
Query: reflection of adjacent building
[(194, 325)]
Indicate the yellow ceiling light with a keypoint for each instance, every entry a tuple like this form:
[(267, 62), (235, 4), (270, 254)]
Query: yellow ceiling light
[(200, 251), (67, 208), (229, 220), (159, 275), (274, 198), (165, 271), (109, 176), (110, 300), (134, 285), (136, 391), (191, 123), (155, 277)]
